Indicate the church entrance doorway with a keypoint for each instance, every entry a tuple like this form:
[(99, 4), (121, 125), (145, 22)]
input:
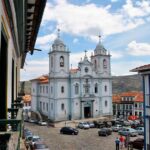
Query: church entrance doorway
[(87, 112)]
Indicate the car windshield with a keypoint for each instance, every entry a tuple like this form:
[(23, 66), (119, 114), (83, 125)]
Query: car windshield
[(40, 146)]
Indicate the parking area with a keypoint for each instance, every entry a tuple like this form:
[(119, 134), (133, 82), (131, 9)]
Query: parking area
[(85, 140)]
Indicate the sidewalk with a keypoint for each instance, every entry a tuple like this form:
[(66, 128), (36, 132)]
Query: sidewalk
[(74, 123)]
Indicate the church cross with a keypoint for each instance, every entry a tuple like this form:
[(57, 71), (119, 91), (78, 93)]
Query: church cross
[(85, 52), (99, 38), (58, 32)]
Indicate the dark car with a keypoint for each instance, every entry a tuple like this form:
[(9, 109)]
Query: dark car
[(138, 143), (99, 124), (69, 130), (105, 132)]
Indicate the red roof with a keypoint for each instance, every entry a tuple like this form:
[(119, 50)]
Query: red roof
[(42, 79), (141, 68), (138, 96), (74, 70)]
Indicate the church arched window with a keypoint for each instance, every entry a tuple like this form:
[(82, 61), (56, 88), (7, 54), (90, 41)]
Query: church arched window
[(105, 63), (95, 64), (62, 89), (106, 103), (61, 61), (76, 88), (96, 88), (105, 88), (52, 61), (62, 106)]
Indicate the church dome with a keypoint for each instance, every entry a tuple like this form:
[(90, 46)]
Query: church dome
[(58, 44), (100, 49), (58, 41)]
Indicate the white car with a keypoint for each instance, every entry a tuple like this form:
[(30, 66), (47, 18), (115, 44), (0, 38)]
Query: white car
[(140, 130), (116, 128), (83, 125), (42, 123)]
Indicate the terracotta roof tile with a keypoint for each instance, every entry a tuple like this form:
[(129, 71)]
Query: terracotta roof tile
[(26, 98), (74, 70), (138, 96), (141, 68)]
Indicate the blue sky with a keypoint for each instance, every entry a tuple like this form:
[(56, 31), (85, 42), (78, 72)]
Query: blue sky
[(123, 24)]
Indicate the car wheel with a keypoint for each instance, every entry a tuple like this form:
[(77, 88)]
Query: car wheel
[(61, 132), (72, 133)]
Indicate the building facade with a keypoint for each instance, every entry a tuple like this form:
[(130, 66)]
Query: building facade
[(66, 93), (145, 72), (128, 103), (19, 24)]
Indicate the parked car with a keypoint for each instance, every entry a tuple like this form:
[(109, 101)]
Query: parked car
[(40, 146), (99, 124), (104, 132), (128, 131), (83, 125), (34, 140), (137, 143), (116, 128), (42, 123), (91, 124), (140, 130), (107, 124), (69, 130)]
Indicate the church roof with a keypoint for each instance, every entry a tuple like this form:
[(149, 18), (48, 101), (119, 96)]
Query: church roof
[(58, 41), (75, 70), (42, 79)]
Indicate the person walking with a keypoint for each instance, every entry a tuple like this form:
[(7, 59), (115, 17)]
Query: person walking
[(121, 141), (117, 141)]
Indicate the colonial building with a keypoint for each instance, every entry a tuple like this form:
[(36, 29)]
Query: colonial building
[(74, 93), (19, 24), (145, 72), (128, 103)]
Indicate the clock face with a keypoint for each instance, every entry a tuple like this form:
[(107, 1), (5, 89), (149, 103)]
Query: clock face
[(86, 69)]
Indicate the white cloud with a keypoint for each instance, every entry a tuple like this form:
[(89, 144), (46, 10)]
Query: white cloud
[(140, 9), (114, 1), (116, 55), (124, 67), (89, 20), (75, 40), (35, 68), (45, 39), (138, 49)]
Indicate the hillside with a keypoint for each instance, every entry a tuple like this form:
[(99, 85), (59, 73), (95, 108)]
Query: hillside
[(119, 84), (126, 83)]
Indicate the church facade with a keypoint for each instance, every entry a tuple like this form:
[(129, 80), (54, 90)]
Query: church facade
[(66, 94)]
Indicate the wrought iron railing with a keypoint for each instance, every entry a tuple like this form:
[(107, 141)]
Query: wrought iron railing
[(11, 129)]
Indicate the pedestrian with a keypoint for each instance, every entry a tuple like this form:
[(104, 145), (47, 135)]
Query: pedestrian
[(117, 141), (122, 139)]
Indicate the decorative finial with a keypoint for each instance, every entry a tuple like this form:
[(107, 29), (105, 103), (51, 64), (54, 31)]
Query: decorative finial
[(58, 33), (99, 38), (85, 52)]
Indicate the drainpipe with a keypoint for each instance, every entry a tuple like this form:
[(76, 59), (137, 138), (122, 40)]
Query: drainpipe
[(70, 100)]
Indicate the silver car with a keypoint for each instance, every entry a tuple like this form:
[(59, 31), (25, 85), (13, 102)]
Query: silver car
[(128, 131), (83, 125), (140, 130), (117, 127)]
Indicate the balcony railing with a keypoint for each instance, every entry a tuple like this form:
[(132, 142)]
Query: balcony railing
[(11, 129)]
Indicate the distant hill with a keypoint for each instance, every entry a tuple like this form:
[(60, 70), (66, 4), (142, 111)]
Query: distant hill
[(119, 84), (126, 83)]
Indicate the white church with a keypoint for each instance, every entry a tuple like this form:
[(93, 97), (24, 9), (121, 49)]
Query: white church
[(69, 94)]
